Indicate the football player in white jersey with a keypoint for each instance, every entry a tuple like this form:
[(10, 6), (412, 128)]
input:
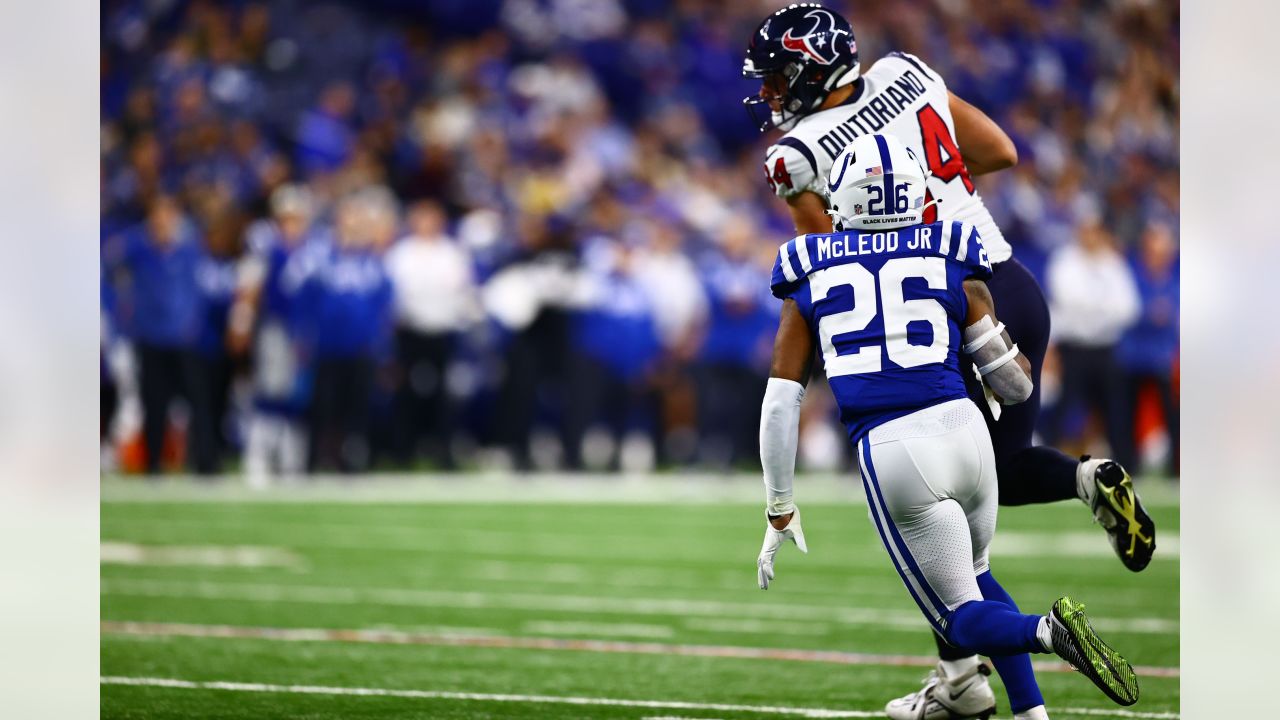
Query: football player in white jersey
[(813, 89)]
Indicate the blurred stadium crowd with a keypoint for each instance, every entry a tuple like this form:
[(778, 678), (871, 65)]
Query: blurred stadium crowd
[(534, 233)]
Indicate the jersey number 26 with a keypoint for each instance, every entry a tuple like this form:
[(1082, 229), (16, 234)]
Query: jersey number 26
[(898, 313)]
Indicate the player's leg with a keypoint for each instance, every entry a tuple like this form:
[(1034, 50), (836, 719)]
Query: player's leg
[(157, 382), (944, 452), (1029, 474), (928, 538), (260, 441), (981, 508)]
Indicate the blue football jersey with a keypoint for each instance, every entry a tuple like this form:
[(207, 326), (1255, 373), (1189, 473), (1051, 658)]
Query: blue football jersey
[(886, 309)]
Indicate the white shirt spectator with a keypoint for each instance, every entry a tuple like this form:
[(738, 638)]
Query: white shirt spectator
[(1092, 295), (671, 281), (434, 283)]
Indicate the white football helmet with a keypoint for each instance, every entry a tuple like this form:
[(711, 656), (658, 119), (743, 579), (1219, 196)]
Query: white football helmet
[(876, 182)]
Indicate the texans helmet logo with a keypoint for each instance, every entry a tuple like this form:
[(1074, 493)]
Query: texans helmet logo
[(818, 43)]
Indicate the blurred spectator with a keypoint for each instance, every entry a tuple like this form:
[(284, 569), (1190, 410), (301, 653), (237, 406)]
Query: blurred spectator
[(1149, 349), (1092, 299), (435, 302), (160, 258), (264, 323), (325, 136), (346, 298), (529, 300), (612, 404), (735, 351), (669, 279), (216, 278), (546, 131)]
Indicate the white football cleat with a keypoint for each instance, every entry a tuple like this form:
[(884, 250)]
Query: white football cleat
[(965, 697)]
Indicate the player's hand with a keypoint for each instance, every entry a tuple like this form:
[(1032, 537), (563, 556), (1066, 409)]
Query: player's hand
[(774, 537)]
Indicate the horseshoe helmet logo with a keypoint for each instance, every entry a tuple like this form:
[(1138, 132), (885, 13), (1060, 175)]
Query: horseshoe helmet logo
[(818, 42)]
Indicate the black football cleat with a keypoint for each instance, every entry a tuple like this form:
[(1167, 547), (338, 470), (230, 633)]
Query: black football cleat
[(1117, 508)]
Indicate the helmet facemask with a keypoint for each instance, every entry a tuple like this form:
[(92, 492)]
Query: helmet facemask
[(791, 107), (809, 46)]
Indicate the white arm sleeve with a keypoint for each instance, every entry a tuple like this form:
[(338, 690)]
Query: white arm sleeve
[(779, 436), (984, 342)]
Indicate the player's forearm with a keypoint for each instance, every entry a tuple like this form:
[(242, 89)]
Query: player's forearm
[(992, 153), (779, 438), (809, 213), (985, 146)]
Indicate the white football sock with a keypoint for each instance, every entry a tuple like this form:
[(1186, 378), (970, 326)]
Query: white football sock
[(1085, 487), (1036, 713), (955, 668), (1043, 634)]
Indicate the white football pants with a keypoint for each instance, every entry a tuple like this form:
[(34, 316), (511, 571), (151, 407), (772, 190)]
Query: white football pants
[(930, 479), (275, 446)]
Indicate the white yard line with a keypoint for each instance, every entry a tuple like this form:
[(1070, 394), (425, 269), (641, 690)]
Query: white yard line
[(396, 637), (253, 592), (250, 556), (598, 629), (1076, 544), (546, 699)]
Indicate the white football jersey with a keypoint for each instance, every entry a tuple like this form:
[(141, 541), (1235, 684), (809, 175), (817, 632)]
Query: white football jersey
[(899, 96)]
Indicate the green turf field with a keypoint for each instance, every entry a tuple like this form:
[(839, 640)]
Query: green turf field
[(216, 603)]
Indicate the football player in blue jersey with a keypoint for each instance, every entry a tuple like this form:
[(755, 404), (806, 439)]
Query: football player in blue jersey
[(817, 92), (892, 304)]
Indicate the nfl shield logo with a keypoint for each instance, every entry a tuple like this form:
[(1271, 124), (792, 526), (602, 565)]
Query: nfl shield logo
[(857, 209)]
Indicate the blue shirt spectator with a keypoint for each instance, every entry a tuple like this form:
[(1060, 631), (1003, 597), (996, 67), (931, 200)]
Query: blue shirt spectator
[(618, 329), (216, 279), (1151, 344), (325, 138), (163, 305), (346, 303), (742, 315)]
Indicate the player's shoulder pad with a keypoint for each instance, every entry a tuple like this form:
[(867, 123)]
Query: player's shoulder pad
[(793, 264), (927, 74), (791, 167), (962, 243)]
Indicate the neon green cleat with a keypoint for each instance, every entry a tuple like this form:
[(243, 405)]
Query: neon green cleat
[(1075, 641)]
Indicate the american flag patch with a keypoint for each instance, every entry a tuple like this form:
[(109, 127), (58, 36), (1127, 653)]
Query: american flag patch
[(919, 202), (877, 170)]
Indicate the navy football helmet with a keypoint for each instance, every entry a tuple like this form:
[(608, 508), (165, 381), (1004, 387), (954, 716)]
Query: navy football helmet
[(812, 48)]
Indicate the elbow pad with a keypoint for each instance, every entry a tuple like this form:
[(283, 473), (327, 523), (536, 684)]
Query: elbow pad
[(984, 342), (779, 437)]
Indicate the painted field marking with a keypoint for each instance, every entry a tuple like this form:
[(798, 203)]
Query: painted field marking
[(253, 592), (175, 684), (398, 637), (554, 627), (248, 556)]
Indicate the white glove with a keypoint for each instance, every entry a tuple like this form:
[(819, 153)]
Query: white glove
[(773, 540)]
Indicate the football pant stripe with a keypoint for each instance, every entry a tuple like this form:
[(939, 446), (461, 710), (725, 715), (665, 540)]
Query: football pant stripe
[(885, 527)]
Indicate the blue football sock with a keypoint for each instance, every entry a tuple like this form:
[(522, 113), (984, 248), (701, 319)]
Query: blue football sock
[(992, 628), (1015, 669)]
